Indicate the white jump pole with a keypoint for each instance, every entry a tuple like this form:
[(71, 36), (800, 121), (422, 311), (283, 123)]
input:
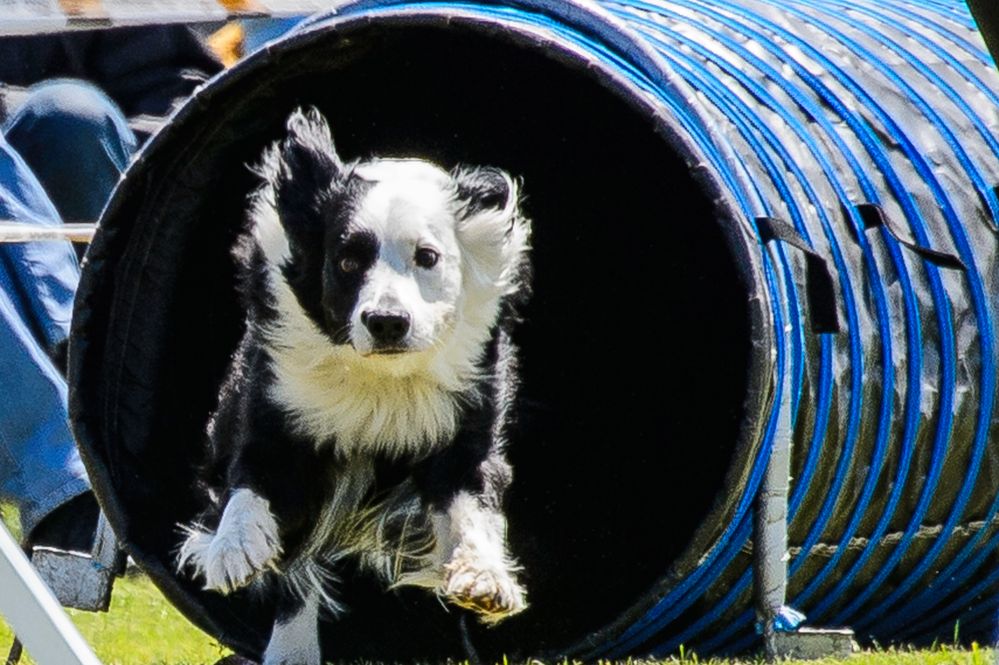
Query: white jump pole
[(20, 232), (33, 612)]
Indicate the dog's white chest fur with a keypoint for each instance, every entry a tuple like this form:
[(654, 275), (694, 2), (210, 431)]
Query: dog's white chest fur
[(332, 395)]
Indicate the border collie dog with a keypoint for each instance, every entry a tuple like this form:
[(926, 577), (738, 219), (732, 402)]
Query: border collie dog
[(365, 411)]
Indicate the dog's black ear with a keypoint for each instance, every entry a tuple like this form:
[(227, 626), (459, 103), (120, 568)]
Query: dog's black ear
[(493, 234), (309, 172), (483, 188)]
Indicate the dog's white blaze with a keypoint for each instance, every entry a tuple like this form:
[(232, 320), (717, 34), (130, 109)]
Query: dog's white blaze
[(410, 205), (428, 298), (245, 543), (403, 189), (295, 641)]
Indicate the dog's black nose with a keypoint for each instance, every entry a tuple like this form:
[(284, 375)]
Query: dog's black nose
[(386, 327)]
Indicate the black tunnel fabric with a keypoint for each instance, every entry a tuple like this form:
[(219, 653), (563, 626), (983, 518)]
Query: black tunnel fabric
[(651, 137)]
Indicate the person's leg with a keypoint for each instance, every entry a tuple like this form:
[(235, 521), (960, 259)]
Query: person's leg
[(39, 278), (40, 467), (70, 137), (76, 137), (76, 141)]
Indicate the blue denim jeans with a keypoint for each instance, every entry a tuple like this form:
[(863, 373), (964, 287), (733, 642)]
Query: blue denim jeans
[(62, 151)]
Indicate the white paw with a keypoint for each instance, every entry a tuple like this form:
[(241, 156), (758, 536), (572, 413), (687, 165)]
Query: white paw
[(245, 543), (232, 561), (490, 590)]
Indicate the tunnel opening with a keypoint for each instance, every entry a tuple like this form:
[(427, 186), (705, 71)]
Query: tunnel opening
[(635, 347)]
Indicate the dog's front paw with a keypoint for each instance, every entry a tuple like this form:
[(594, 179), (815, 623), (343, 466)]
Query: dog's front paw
[(233, 559), (490, 590), (245, 543)]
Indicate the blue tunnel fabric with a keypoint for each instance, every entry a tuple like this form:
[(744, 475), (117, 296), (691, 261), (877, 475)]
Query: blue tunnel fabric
[(919, 124), (868, 129), (827, 106), (837, 90)]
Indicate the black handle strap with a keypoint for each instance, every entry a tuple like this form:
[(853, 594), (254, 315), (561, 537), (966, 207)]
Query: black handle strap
[(874, 217), (820, 290)]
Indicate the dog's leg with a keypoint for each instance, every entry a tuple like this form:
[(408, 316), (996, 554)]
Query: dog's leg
[(245, 543), (464, 486), (295, 637), (479, 573)]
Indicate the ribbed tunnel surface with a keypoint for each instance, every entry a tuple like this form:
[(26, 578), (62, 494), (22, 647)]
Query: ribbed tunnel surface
[(651, 137)]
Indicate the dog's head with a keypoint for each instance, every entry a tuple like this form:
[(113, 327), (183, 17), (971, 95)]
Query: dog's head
[(392, 258)]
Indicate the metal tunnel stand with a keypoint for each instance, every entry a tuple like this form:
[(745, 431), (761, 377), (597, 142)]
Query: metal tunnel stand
[(784, 635)]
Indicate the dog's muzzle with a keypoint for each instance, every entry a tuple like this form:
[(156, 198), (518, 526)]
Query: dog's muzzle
[(388, 330)]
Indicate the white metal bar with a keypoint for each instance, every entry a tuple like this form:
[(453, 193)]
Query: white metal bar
[(770, 523), (34, 614), (20, 232), (20, 17)]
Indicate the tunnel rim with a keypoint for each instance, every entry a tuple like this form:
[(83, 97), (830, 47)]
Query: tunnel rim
[(742, 246)]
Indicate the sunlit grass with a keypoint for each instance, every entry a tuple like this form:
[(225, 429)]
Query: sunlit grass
[(140, 628)]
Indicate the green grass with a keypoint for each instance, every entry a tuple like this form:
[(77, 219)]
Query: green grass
[(943, 655), (142, 628)]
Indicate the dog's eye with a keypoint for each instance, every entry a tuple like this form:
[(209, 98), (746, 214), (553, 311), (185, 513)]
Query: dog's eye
[(348, 264), (426, 257)]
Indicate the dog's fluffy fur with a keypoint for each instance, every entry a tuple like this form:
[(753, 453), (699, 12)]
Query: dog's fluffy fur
[(379, 298)]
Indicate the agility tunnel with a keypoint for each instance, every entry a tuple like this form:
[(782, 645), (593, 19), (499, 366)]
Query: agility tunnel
[(765, 249)]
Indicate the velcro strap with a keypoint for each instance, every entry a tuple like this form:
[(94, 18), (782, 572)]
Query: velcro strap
[(820, 290), (874, 217)]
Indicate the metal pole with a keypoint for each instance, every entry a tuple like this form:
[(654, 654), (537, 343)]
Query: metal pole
[(34, 614), (20, 232)]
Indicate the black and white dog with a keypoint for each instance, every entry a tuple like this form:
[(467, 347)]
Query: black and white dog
[(379, 298)]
